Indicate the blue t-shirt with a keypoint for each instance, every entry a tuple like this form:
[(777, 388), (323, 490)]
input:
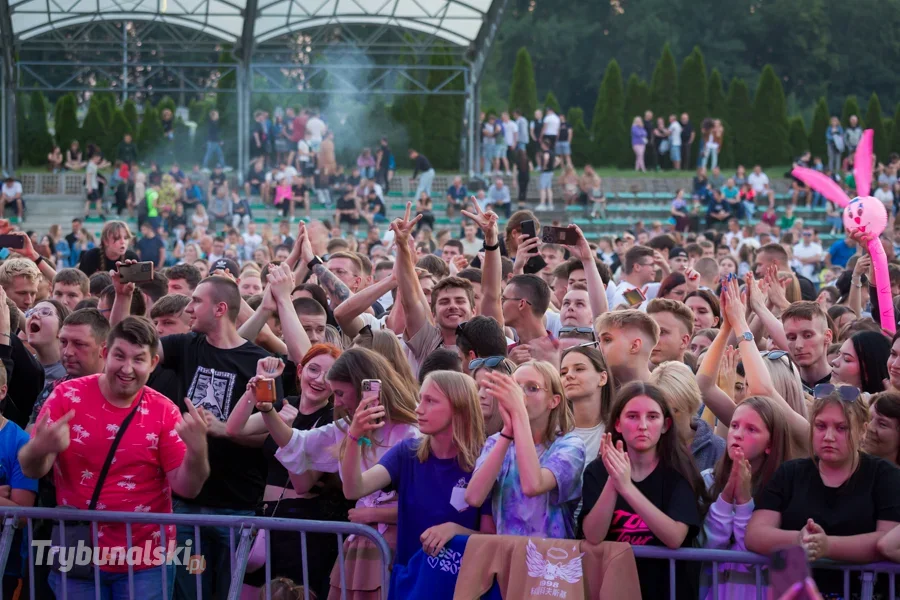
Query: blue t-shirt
[(460, 194), (148, 249), (841, 253), (12, 438), (426, 490)]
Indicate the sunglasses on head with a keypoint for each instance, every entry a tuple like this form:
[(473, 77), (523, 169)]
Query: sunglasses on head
[(490, 362), (847, 393), (776, 354), (581, 330)]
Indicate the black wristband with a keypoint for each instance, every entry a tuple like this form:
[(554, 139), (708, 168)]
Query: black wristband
[(267, 411), (509, 437), (39, 259), (487, 248), (315, 261)]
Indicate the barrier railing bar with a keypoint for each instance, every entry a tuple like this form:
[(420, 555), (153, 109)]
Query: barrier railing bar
[(671, 579), (237, 572), (95, 538), (715, 582), (305, 566), (62, 538), (268, 564), (891, 586), (9, 530), (758, 582), (128, 544), (341, 566), (847, 584), (30, 527), (198, 578), (165, 570)]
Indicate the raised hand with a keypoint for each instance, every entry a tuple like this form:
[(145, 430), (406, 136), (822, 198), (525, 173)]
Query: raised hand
[(369, 416), (52, 437), (486, 221), (743, 488), (733, 308), (27, 250), (457, 264), (436, 537), (692, 280), (122, 288), (303, 241), (581, 250), (527, 248), (756, 297), (507, 392), (618, 465), (269, 367), (728, 371), (193, 428), (403, 227), (268, 300), (281, 282), (863, 267)]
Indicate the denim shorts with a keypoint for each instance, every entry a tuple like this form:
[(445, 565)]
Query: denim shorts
[(675, 153), (500, 151), (546, 180), (564, 148)]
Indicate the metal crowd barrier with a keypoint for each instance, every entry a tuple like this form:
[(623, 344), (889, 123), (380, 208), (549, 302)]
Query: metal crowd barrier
[(758, 562), (244, 528)]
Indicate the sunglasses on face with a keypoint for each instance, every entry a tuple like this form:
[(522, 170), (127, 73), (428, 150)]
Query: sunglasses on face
[(847, 393), (578, 330), (490, 362)]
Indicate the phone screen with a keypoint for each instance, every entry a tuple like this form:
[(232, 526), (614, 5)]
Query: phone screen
[(634, 297)]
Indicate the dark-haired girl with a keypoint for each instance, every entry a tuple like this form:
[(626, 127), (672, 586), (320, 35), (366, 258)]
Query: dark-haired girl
[(644, 489), (862, 362)]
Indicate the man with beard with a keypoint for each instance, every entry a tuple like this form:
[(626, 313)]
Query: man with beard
[(165, 453)]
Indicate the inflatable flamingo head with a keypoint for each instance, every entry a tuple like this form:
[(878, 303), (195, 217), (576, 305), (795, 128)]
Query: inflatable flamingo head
[(866, 214)]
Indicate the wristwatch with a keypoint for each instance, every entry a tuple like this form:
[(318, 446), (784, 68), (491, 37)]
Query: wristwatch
[(315, 261), (747, 336)]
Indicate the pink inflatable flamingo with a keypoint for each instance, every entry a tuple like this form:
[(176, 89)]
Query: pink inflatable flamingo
[(864, 214)]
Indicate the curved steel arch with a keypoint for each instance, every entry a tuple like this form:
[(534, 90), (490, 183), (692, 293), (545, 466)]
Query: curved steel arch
[(118, 17)]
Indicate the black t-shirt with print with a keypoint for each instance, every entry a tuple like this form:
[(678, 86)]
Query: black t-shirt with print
[(376, 206), (672, 494), (871, 494), (564, 130), (217, 179), (215, 379)]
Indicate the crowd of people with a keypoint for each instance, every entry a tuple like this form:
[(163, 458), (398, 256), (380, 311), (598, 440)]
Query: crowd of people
[(679, 388)]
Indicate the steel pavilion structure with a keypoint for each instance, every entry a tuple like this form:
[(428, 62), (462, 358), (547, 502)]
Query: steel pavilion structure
[(178, 47)]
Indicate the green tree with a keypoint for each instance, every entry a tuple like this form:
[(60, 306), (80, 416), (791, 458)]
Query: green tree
[(406, 112), (889, 132), (637, 99), (874, 122), (131, 114), (727, 151), (523, 88), (107, 105), (94, 129), (551, 102), (716, 102), (851, 107), (226, 104), (895, 132), (817, 145), (608, 127), (22, 128), (65, 121), (798, 138), (39, 141), (770, 123), (150, 134), (166, 102), (740, 117), (664, 85), (582, 145), (117, 130), (692, 86), (442, 144)]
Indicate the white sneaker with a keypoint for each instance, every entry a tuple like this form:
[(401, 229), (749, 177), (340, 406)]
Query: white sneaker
[(540, 208)]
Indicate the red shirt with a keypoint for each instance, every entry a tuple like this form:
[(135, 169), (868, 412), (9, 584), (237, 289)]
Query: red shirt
[(298, 130), (136, 481)]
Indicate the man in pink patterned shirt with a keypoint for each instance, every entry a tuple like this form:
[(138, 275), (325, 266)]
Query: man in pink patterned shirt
[(159, 453)]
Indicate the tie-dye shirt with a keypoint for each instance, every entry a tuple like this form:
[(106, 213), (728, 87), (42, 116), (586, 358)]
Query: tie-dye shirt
[(548, 515)]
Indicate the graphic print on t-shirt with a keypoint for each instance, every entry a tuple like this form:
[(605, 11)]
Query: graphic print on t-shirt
[(211, 390), (630, 528)]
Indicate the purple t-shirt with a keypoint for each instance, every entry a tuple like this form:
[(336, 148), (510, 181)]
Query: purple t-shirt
[(638, 135), (430, 493)]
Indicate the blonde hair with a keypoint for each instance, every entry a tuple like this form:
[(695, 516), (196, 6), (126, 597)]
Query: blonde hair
[(786, 381), (112, 228), (677, 383), (18, 267), (631, 318), (561, 420), (856, 413), (466, 421)]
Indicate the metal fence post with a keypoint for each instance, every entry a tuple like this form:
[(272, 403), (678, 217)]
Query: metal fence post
[(241, 556)]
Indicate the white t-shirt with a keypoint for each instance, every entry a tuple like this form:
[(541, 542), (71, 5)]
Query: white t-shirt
[(886, 196), (315, 128), (251, 243), (551, 124), (759, 183), (288, 172), (731, 235), (675, 133), (13, 190), (303, 151), (591, 436), (509, 132), (803, 251)]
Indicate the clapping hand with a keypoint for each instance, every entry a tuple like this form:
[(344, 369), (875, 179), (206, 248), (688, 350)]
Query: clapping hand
[(617, 463), (269, 367), (507, 392), (814, 540)]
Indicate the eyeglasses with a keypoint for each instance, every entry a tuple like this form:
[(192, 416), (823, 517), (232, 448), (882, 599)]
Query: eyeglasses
[(577, 330), (43, 312), (505, 299), (491, 362), (532, 389), (847, 393)]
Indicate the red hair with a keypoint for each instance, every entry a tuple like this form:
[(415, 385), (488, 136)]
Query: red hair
[(318, 350)]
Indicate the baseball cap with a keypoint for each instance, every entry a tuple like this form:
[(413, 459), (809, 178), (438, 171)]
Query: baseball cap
[(226, 263), (677, 252)]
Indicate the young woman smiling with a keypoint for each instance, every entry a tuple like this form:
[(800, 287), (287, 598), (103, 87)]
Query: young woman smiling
[(534, 464), (883, 433), (320, 450), (430, 473), (838, 503), (757, 444), (321, 500), (644, 488)]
